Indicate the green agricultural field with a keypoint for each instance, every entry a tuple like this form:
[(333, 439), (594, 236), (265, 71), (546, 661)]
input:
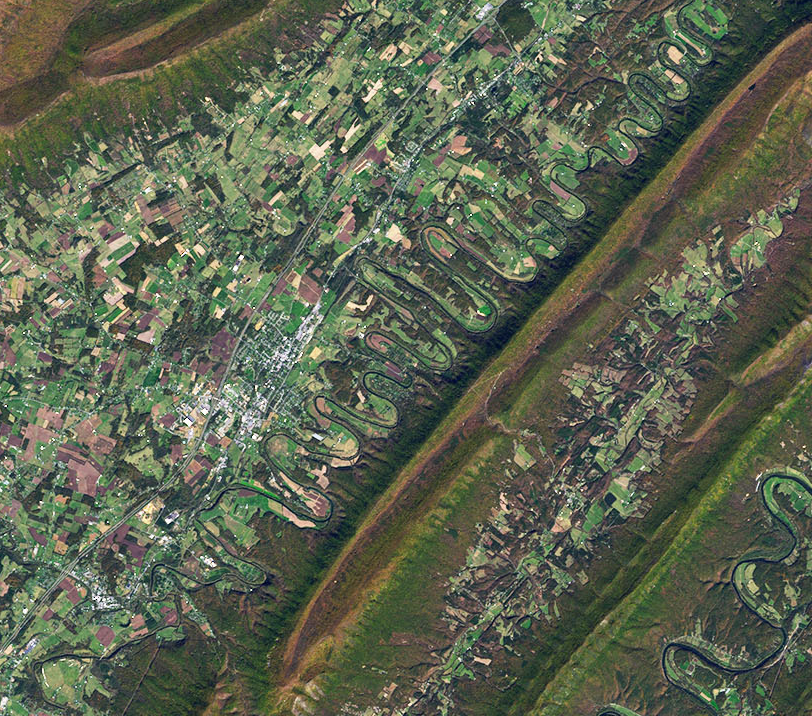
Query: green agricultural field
[(741, 648), (365, 358), (599, 348)]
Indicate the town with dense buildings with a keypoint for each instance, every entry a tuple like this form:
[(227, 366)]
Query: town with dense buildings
[(211, 329)]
